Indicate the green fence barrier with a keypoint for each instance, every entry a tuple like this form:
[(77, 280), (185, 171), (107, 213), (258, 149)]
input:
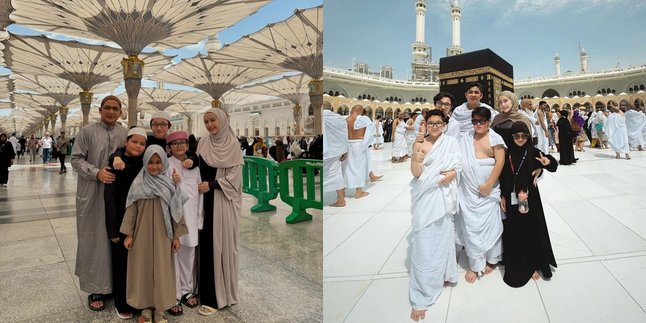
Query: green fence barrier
[(260, 179), (297, 200)]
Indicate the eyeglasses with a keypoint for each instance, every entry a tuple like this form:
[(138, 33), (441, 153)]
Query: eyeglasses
[(436, 124), (443, 104), (478, 121), (520, 136), (178, 143), (159, 125)]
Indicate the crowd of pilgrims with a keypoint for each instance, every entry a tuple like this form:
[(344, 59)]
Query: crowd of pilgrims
[(157, 216), (475, 179), (281, 149)]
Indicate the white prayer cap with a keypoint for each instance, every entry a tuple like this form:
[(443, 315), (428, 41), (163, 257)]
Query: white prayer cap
[(161, 115), (138, 131)]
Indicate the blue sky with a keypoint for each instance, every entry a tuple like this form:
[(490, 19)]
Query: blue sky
[(526, 33), (275, 11)]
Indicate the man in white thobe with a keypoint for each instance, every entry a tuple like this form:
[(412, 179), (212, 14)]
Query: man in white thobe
[(617, 132), (636, 127), (479, 222), (433, 206), (355, 167), (335, 148)]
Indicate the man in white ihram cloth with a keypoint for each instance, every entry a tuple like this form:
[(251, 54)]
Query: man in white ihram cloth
[(368, 140), (335, 148), (433, 206), (617, 132), (462, 113), (355, 167), (479, 222), (399, 148), (94, 143), (636, 126)]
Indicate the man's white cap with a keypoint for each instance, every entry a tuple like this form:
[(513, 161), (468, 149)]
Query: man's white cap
[(138, 131), (161, 115)]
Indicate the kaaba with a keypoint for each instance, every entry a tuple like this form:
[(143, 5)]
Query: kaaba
[(482, 66)]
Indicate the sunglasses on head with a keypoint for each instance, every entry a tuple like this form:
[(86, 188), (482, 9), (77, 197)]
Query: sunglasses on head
[(520, 136), (478, 121)]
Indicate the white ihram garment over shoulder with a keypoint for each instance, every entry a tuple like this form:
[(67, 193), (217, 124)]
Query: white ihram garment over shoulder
[(433, 206), (462, 115), (617, 133), (636, 126), (479, 220), (335, 144), (399, 148)]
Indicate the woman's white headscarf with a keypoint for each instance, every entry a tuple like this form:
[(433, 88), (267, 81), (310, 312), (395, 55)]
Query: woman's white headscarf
[(147, 186)]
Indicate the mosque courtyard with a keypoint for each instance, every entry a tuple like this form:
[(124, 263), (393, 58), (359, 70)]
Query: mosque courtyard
[(280, 264), (596, 216)]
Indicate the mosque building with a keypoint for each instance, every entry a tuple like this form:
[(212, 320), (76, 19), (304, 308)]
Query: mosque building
[(380, 94)]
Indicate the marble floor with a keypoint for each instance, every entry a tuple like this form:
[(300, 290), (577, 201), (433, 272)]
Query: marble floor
[(280, 264), (596, 214)]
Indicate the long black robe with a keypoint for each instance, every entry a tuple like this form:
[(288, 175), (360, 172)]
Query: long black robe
[(525, 239), (115, 195), (504, 130), (566, 140), (6, 156)]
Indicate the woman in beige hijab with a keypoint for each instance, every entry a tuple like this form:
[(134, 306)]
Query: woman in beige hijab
[(502, 122), (221, 170)]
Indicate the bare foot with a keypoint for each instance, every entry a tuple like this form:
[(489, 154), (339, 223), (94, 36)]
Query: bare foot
[(470, 277), (488, 269), (375, 178), (361, 194), (338, 204), (417, 315), (536, 276), (447, 283)]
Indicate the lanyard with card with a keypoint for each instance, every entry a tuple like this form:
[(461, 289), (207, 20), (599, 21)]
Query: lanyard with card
[(514, 198)]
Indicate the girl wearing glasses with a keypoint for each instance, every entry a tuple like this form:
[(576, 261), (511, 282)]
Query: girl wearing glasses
[(526, 242)]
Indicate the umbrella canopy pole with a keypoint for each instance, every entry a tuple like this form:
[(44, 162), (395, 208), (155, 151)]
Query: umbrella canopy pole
[(316, 100), (133, 69)]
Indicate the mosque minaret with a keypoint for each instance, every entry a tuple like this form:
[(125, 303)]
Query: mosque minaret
[(584, 60), (421, 68), (455, 48), (557, 63)]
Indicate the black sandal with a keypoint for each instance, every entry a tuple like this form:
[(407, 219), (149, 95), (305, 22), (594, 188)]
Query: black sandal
[(95, 298), (178, 312), (186, 297)]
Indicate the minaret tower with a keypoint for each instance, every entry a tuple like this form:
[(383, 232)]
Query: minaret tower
[(557, 63), (421, 69), (420, 49), (455, 48), (583, 56), (213, 44)]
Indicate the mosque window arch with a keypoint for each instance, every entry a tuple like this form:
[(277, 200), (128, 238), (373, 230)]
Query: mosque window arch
[(550, 93), (310, 110)]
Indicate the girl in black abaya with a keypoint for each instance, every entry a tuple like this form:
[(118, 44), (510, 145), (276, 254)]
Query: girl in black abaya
[(526, 242)]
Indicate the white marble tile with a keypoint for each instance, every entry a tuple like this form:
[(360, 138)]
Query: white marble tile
[(565, 242), (628, 272), (366, 250), (340, 297), (399, 260), (587, 292), (489, 299), (340, 227), (386, 300), (600, 232), (584, 186)]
